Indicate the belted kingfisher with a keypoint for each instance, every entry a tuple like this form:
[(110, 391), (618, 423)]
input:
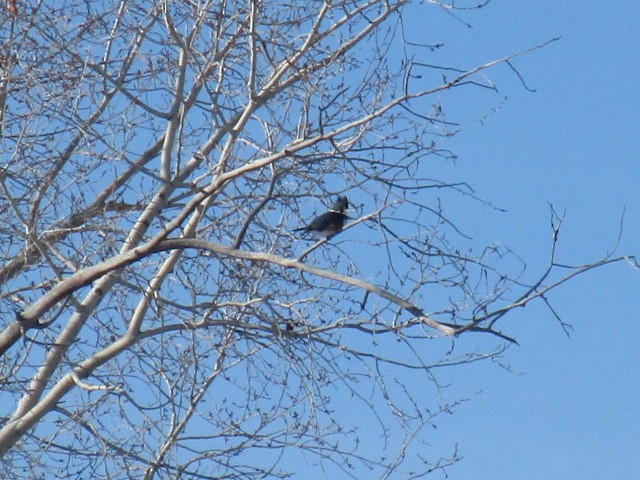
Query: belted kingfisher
[(331, 222)]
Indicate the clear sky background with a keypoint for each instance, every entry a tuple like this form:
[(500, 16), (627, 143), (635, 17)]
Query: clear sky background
[(570, 408), (567, 407)]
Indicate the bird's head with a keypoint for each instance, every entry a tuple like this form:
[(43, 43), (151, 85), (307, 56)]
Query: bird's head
[(342, 204)]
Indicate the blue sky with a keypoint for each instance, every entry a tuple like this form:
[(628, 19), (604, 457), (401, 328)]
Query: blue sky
[(570, 408), (566, 408)]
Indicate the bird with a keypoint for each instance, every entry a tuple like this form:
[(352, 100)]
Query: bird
[(331, 222)]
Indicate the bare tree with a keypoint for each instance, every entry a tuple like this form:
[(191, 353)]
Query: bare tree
[(161, 320)]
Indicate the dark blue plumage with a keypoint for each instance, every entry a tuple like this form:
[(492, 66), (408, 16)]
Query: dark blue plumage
[(331, 222)]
